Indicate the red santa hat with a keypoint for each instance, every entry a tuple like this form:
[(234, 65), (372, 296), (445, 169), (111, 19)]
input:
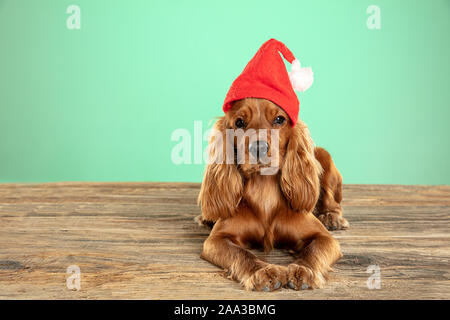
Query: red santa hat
[(265, 76)]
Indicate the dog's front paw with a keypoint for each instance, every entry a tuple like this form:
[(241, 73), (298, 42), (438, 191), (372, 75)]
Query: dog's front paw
[(333, 221), (269, 278), (301, 278)]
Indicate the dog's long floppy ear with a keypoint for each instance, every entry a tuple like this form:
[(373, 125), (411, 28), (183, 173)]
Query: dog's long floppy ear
[(300, 173), (222, 185)]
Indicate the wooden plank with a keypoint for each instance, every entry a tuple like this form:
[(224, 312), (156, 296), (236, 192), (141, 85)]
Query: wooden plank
[(139, 241)]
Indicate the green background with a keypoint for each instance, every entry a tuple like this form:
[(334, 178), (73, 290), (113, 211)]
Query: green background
[(101, 103)]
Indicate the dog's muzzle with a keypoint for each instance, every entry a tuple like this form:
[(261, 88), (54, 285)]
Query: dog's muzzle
[(258, 149)]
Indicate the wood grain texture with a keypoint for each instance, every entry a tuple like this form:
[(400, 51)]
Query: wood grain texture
[(139, 241)]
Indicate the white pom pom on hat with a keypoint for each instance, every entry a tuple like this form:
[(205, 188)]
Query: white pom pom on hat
[(301, 78)]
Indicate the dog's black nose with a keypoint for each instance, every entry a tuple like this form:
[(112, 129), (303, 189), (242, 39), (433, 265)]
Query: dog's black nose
[(258, 148)]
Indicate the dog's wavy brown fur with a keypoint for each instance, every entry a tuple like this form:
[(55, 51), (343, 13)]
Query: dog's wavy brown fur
[(290, 209)]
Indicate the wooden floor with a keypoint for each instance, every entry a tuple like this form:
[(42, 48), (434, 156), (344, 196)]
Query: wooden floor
[(139, 241)]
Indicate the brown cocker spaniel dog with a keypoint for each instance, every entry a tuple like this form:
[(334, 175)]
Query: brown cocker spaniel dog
[(291, 207)]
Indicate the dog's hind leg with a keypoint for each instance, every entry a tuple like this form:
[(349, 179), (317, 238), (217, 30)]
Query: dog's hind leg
[(328, 208)]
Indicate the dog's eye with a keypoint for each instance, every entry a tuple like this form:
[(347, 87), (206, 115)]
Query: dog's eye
[(240, 123), (279, 120)]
